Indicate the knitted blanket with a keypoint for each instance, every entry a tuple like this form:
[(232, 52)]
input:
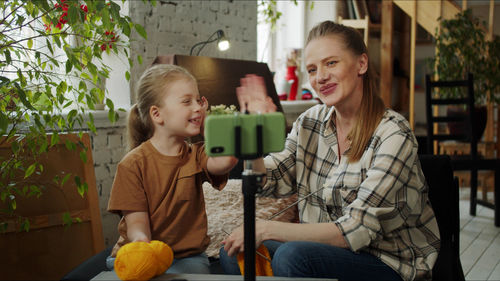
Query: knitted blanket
[(225, 211)]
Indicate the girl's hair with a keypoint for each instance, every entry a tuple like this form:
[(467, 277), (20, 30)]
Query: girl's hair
[(372, 107), (150, 91)]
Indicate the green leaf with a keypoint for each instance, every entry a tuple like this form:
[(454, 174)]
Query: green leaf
[(22, 96), (82, 188), (8, 58), (25, 225), (65, 179), (124, 24), (73, 14), (141, 30), (30, 43), (78, 180), (127, 75), (54, 139), (49, 45), (69, 66), (83, 156), (30, 170), (4, 123), (66, 218), (111, 116)]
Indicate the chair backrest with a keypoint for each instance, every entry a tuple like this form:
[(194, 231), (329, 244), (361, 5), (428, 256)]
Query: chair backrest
[(50, 249), (465, 121), (444, 197)]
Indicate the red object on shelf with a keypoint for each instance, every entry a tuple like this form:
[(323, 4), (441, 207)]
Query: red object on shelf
[(291, 75), (306, 95)]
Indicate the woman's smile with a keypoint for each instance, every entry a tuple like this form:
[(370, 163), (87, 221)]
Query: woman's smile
[(328, 89)]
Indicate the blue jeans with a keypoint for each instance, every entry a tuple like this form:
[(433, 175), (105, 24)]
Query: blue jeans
[(317, 260), (197, 264)]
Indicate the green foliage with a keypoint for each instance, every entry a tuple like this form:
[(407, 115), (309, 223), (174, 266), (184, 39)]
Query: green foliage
[(221, 109), (52, 71), (270, 12), (462, 47)]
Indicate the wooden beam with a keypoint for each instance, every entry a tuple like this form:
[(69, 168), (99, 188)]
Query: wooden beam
[(489, 133), (404, 63), (429, 11), (386, 67), (435, 109), (413, 40)]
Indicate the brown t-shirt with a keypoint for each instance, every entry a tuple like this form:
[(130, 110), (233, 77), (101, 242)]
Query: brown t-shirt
[(169, 188)]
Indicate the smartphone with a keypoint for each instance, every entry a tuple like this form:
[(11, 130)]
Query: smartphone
[(245, 136)]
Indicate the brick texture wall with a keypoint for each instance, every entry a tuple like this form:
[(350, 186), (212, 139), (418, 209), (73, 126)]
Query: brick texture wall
[(108, 148), (173, 27)]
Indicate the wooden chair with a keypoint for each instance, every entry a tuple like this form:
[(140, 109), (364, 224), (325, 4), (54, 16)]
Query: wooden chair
[(473, 161), (50, 249), (444, 197)]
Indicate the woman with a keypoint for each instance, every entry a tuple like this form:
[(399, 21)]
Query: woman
[(370, 217)]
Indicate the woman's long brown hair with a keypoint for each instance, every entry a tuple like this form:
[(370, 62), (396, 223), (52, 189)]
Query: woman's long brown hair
[(372, 107)]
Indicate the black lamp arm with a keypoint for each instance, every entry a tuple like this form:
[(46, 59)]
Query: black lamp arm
[(218, 33)]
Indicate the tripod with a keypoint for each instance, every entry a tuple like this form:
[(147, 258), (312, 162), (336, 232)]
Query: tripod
[(251, 185)]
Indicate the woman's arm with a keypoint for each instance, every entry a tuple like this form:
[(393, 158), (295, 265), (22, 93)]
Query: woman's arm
[(327, 233), (138, 228), (221, 165)]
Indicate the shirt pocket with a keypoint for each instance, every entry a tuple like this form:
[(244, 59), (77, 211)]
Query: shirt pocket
[(348, 194), (350, 182), (348, 189), (189, 185)]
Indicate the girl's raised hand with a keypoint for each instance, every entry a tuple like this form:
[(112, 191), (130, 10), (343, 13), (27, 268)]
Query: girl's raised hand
[(252, 95)]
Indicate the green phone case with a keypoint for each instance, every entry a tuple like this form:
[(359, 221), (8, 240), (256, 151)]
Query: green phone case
[(220, 133)]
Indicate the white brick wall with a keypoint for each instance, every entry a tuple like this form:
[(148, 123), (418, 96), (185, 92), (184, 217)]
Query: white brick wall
[(173, 27), (108, 148)]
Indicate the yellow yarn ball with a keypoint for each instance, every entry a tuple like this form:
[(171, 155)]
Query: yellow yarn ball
[(136, 261), (164, 255)]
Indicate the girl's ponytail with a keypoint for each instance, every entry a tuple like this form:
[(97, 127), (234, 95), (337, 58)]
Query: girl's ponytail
[(137, 131)]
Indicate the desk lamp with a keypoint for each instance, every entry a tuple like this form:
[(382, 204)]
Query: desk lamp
[(221, 39)]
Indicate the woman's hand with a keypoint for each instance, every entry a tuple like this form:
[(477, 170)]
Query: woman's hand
[(252, 95), (203, 111), (234, 243)]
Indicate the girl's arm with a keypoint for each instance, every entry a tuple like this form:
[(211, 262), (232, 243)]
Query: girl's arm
[(327, 233), (138, 228), (221, 165)]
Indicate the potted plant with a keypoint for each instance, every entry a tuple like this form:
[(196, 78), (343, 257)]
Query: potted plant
[(462, 48), (51, 61), (52, 71)]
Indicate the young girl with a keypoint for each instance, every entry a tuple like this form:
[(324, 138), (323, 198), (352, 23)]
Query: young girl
[(158, 184)]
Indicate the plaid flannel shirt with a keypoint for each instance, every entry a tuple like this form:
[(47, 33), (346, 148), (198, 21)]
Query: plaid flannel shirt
[(380, 204)]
